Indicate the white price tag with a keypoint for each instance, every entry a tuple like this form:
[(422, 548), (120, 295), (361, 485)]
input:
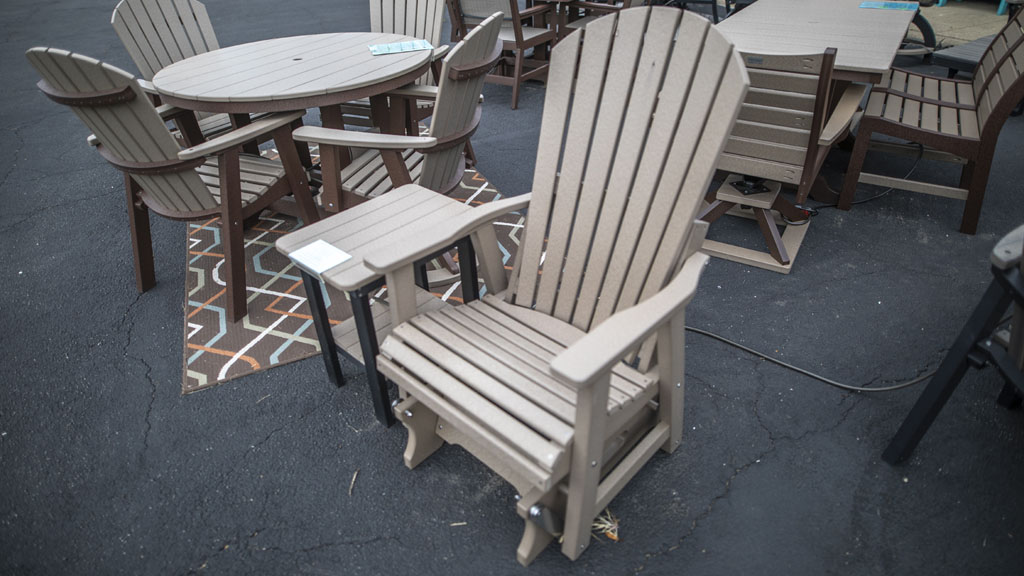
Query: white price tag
[(319, 256)]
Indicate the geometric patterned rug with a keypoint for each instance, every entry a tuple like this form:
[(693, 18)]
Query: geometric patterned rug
[(278, 328)]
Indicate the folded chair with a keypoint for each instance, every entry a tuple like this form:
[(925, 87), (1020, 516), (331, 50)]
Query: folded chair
[(785, 130), (522, 30), (568, 377), (158, 33), (435, 161), (955, 120), (979, 343), (205, 181)]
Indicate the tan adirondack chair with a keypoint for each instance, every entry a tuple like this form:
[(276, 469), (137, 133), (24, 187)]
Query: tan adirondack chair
[(158, 33), (785, 130), (417, 18), (435, 161), (202, 182), (522, 30), (955, 120), (530, 378)]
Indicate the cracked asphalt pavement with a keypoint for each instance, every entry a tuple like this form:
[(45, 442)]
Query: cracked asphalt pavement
[(105, 468)]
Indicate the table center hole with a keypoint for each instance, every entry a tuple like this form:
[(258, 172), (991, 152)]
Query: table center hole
[(296, 59)]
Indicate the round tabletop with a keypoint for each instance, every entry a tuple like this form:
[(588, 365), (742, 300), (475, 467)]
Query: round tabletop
[(290, 73)]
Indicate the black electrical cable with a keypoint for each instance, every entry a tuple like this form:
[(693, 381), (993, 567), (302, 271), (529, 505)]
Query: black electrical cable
[(808, 373)]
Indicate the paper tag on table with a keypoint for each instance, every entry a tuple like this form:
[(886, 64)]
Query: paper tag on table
[(907, 6), (318, 257), (398, 47)]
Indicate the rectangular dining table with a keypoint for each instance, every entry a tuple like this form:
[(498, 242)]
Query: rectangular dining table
[(866, 39)]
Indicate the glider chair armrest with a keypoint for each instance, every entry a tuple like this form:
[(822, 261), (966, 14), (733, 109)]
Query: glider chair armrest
[(335, 137), (428, 241), (842, 116), (593, 355), (240, 135)]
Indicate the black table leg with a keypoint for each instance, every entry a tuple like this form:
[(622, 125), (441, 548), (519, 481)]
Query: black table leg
[(368, 344), (467, 270), (318, 309)]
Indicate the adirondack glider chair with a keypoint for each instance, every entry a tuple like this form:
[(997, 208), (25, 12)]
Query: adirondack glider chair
[(785, 130), (530, 378), (205, 181), (417, 18), (522, 30), (435, 161), (955, 120), (158, 33)]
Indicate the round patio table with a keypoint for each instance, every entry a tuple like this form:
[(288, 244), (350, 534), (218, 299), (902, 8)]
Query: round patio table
[(295, 73)]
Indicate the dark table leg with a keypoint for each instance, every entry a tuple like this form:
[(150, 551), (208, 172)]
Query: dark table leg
[(368, 344), (318, 309)]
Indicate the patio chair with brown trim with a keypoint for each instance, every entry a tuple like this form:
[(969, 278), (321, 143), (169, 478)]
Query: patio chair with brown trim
[(158, 33), (434, 161), (785, 130), (522, 30), (202, 182), (955, 120), (530, 379), (416, 18)]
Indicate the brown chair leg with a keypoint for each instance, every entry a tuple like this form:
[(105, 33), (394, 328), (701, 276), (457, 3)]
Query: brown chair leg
[(232, 235), (296, 173), (975, 195), (860, 150), (771, 235), (142, 242), (518, 78), (716, 210)]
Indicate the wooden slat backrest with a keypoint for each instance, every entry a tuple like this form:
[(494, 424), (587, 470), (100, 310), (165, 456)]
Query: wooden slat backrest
[(132, 131), (158, 33), (474, 11), (782, 116), (419, 18), (659, 90), (999, 69), (456, 104)]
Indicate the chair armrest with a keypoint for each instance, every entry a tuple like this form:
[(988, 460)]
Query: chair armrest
[(429, 241), (441, 51), (240, 136), (534, 10), (147, 86), (418, 91), (595, 6), (1007, 252), (839, 122), (168, 112), (336, 137), (596, 352)]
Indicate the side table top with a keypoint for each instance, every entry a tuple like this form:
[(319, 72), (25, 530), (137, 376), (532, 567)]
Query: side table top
[(394, 217), (288, 69)]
